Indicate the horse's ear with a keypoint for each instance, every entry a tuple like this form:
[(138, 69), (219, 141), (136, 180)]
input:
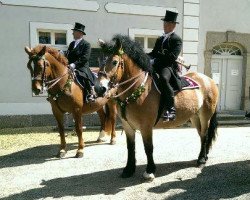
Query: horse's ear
[(101, 42), (118, 43), (43, 51), (107, 48), (28, 50)]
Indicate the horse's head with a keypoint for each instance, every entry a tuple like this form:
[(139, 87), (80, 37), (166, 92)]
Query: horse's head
[(125, 59), (112, 70), (38, 71)]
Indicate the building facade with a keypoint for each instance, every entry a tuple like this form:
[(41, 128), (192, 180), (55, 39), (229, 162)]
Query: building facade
[(214, 42)]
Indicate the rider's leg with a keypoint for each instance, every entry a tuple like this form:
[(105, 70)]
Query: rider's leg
[(91, 95), (168, 95)]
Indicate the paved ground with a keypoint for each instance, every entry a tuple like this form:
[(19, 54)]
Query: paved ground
[(28, 169)]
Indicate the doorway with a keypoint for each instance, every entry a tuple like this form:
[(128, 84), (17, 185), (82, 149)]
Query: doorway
[(226, 69)]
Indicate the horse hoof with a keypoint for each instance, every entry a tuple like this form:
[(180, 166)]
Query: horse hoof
[(201, 162), (61, 154), (100, 140), (79, 155), (127, 173), (148, 177), (112, 142), (102, 136)]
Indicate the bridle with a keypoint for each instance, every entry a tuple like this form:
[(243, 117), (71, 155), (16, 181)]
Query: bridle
[(42, 77), (113, 80)]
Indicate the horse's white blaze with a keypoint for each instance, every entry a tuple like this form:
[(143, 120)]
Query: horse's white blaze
[(200, 97), (104, 83), (148, 177)]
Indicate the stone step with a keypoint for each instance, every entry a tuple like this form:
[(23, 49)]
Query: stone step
[(234, 122), (235, 117)]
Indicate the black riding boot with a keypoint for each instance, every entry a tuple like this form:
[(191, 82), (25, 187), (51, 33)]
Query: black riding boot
[(168, 95), (91, 94), (169, 114)]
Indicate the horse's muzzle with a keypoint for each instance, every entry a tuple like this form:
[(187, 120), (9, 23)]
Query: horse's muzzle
[(36, 91)]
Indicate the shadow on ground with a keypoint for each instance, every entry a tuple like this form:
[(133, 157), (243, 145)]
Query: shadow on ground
[(38, 155), (227, 180), (221, 181)]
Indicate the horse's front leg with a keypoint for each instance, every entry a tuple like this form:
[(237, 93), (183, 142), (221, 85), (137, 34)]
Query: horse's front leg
[(148, 146), (78, 128), (129, 170), (59, 118)]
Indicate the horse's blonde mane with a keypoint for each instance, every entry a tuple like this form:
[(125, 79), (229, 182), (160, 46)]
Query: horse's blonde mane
[(52, 51)]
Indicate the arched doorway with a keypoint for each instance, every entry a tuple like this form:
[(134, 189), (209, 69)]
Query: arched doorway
[(226, 69)]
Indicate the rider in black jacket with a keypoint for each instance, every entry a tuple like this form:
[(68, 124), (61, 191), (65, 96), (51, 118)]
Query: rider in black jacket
[(78, 55), (166, 50)]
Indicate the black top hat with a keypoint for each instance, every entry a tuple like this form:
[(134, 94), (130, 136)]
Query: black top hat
[(79, 27), (170, 16)]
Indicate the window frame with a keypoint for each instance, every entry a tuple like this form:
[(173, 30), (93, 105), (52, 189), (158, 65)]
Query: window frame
[(145, 33), (53, 28)]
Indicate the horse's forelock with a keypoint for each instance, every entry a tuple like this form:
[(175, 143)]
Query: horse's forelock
[(133, 50)]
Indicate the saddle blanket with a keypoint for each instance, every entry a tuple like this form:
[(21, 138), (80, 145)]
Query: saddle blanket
[(192, 84)]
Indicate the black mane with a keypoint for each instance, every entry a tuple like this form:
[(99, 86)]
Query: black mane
[(132, 49)]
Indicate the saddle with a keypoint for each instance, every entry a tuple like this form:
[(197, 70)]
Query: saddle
[(187, 83), (82, 81)]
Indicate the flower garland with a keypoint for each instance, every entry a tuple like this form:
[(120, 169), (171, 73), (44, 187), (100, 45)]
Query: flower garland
[(132, 98)]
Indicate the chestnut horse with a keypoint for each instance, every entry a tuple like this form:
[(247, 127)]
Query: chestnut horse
[(128, 69), (65, 95)]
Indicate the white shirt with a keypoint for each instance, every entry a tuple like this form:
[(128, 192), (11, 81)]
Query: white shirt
[(77, 42), (166, 36)]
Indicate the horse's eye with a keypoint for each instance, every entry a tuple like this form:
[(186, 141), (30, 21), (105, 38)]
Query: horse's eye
[(114, 62)]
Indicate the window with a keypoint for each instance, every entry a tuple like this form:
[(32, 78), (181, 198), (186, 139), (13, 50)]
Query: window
[(56, 35), (145, 37), (55, 38), (147, 42)]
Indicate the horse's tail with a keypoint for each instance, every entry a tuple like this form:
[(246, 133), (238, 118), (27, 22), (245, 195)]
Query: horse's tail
[(212, 130)]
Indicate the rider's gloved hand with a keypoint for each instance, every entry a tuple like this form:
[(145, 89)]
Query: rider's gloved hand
[(72, 66)]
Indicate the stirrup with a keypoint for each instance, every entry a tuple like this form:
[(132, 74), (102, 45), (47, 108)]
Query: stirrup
[(169, 116), (90, 98)]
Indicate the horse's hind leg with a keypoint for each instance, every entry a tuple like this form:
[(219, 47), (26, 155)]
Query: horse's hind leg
[(201, 129), (103, 130), (108, 122), (78, 127), (207, 133), (112, 120)]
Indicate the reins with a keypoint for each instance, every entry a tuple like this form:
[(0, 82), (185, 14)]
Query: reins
[(124, 82), (55, 81)]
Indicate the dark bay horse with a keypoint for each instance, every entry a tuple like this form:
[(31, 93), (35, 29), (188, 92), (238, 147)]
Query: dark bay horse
[(128, 69), (64, 95)]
